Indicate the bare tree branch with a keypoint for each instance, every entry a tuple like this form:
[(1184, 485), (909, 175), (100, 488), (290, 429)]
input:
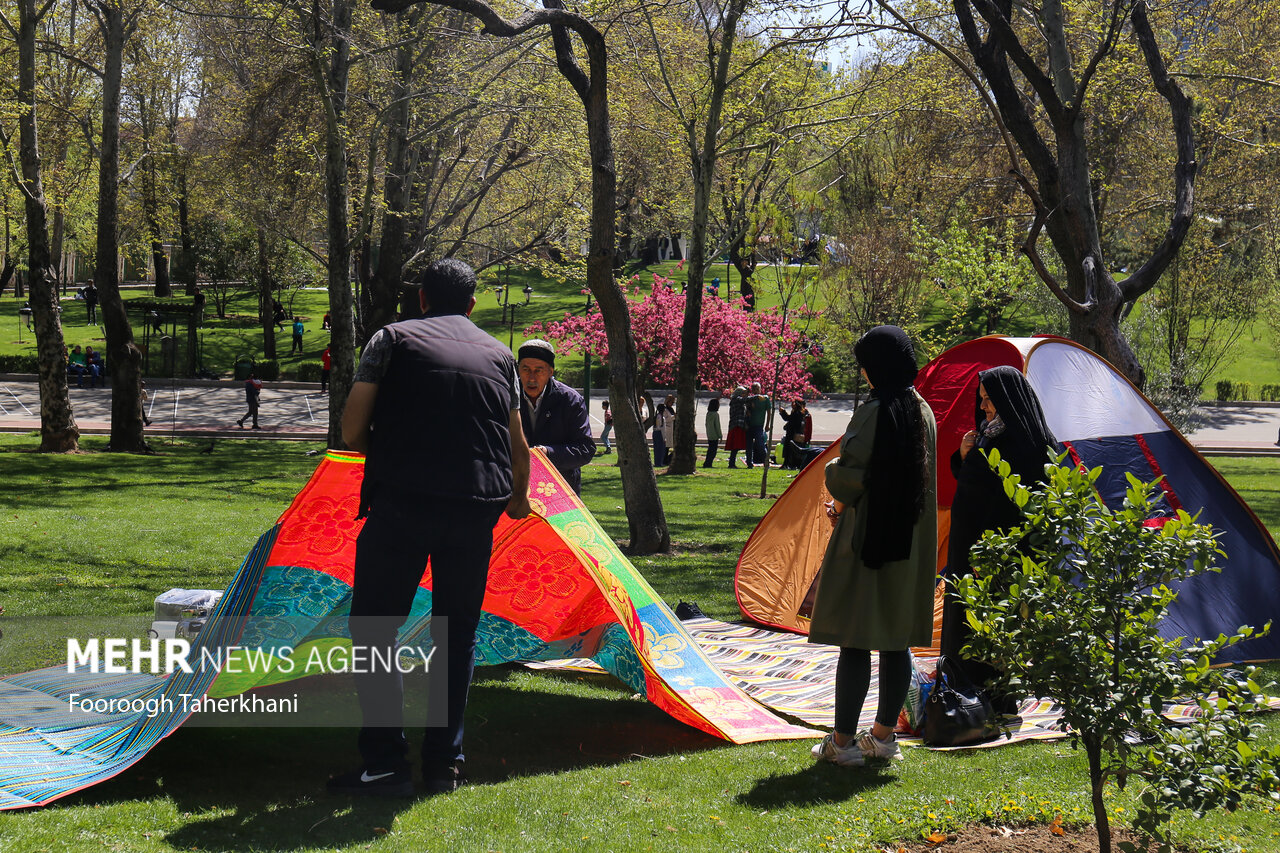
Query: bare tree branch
[(1184, 171)]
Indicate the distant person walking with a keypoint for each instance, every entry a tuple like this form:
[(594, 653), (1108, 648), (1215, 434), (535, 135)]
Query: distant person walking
[(252, 391), (326, 364), (758, 408), (664, 431), (714, 433), (608, 427), (91, 303), (737, 439), (298, 329)]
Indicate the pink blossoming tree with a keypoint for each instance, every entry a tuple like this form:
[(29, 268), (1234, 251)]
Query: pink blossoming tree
[(736, 347)]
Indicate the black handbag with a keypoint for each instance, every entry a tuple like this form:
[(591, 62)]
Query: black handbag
[(957, 711)]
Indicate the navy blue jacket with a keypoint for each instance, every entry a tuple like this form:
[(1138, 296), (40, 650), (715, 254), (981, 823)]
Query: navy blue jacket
[(563, 428)]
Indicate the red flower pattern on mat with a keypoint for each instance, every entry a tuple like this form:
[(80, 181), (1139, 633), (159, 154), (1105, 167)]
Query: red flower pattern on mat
[(323, 526), (530, 576), (547, 593)]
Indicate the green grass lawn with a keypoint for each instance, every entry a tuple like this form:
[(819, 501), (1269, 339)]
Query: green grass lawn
[(1255, 359), (222, 340), (560, 761)]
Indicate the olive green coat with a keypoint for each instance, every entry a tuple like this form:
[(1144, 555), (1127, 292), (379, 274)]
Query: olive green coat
[(889, 608)]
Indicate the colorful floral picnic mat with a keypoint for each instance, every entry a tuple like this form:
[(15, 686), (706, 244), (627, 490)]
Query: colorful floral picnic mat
[(558, 587)]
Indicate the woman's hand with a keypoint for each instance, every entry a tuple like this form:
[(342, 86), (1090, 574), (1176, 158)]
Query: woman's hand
[(834, 508), (968, 442)]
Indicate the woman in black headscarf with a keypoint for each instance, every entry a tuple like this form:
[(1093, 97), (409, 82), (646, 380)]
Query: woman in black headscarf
[(1008, 418), (875, 589)]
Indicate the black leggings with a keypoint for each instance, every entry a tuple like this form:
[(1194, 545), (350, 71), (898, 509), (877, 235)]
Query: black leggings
[(853, 678), (712, 446)]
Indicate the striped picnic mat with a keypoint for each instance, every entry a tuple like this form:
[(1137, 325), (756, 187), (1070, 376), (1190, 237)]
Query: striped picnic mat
[(787, 673), (47, 752)]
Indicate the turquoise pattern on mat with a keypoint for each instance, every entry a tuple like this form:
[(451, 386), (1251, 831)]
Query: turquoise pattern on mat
[(294, 604), (618, 656)]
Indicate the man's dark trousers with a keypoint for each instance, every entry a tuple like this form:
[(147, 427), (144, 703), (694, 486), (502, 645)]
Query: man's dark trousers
[(757, 445), (391, 554)]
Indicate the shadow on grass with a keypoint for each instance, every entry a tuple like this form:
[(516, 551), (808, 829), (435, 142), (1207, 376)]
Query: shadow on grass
[(263, 789), (818, 783)]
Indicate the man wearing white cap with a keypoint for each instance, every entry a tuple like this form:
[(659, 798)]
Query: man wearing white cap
[(554, 415)]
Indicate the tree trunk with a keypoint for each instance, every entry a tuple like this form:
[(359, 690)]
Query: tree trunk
[(1093, 751), (265, 302), (124, 359), (151, 193), (645, 516), (6, 272), (743, 262), (703, 160), (55, 248), (151, 211), (1062, 194), (58, 430), (684, 457), (646, 519), (160, 260), (384, 285), (187, 263), (341, 302)]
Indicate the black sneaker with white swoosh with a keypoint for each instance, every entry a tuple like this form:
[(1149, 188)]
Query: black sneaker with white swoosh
[(364, 782)]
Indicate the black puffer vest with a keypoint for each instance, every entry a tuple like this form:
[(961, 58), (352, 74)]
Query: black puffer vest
[(441, 418)]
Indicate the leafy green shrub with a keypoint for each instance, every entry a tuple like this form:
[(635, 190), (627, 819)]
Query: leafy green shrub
[(1224, 390), (1068, 605), (268, 371), (820, 370), (308, 371), (570, 372), (18, 364), (1270, 393), (1244, 391)]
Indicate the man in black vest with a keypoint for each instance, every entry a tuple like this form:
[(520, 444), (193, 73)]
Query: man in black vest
[(554, 415), (435, 406)]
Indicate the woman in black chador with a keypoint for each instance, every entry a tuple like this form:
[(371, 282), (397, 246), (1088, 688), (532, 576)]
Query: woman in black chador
[(1008, 418)]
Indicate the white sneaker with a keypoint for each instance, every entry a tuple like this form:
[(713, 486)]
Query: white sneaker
[(874, 749), (845, 756)]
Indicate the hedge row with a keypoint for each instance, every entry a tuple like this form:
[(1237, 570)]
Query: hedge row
[(1245, 392), (18, 364)]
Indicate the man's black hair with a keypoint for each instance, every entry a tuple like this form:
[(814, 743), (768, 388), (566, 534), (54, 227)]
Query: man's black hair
[(448, 286)]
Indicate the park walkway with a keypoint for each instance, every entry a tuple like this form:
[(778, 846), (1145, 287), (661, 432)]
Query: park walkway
[(289, 410), (298, 410)]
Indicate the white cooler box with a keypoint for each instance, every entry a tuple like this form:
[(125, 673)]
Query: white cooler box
[(182, 612)]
